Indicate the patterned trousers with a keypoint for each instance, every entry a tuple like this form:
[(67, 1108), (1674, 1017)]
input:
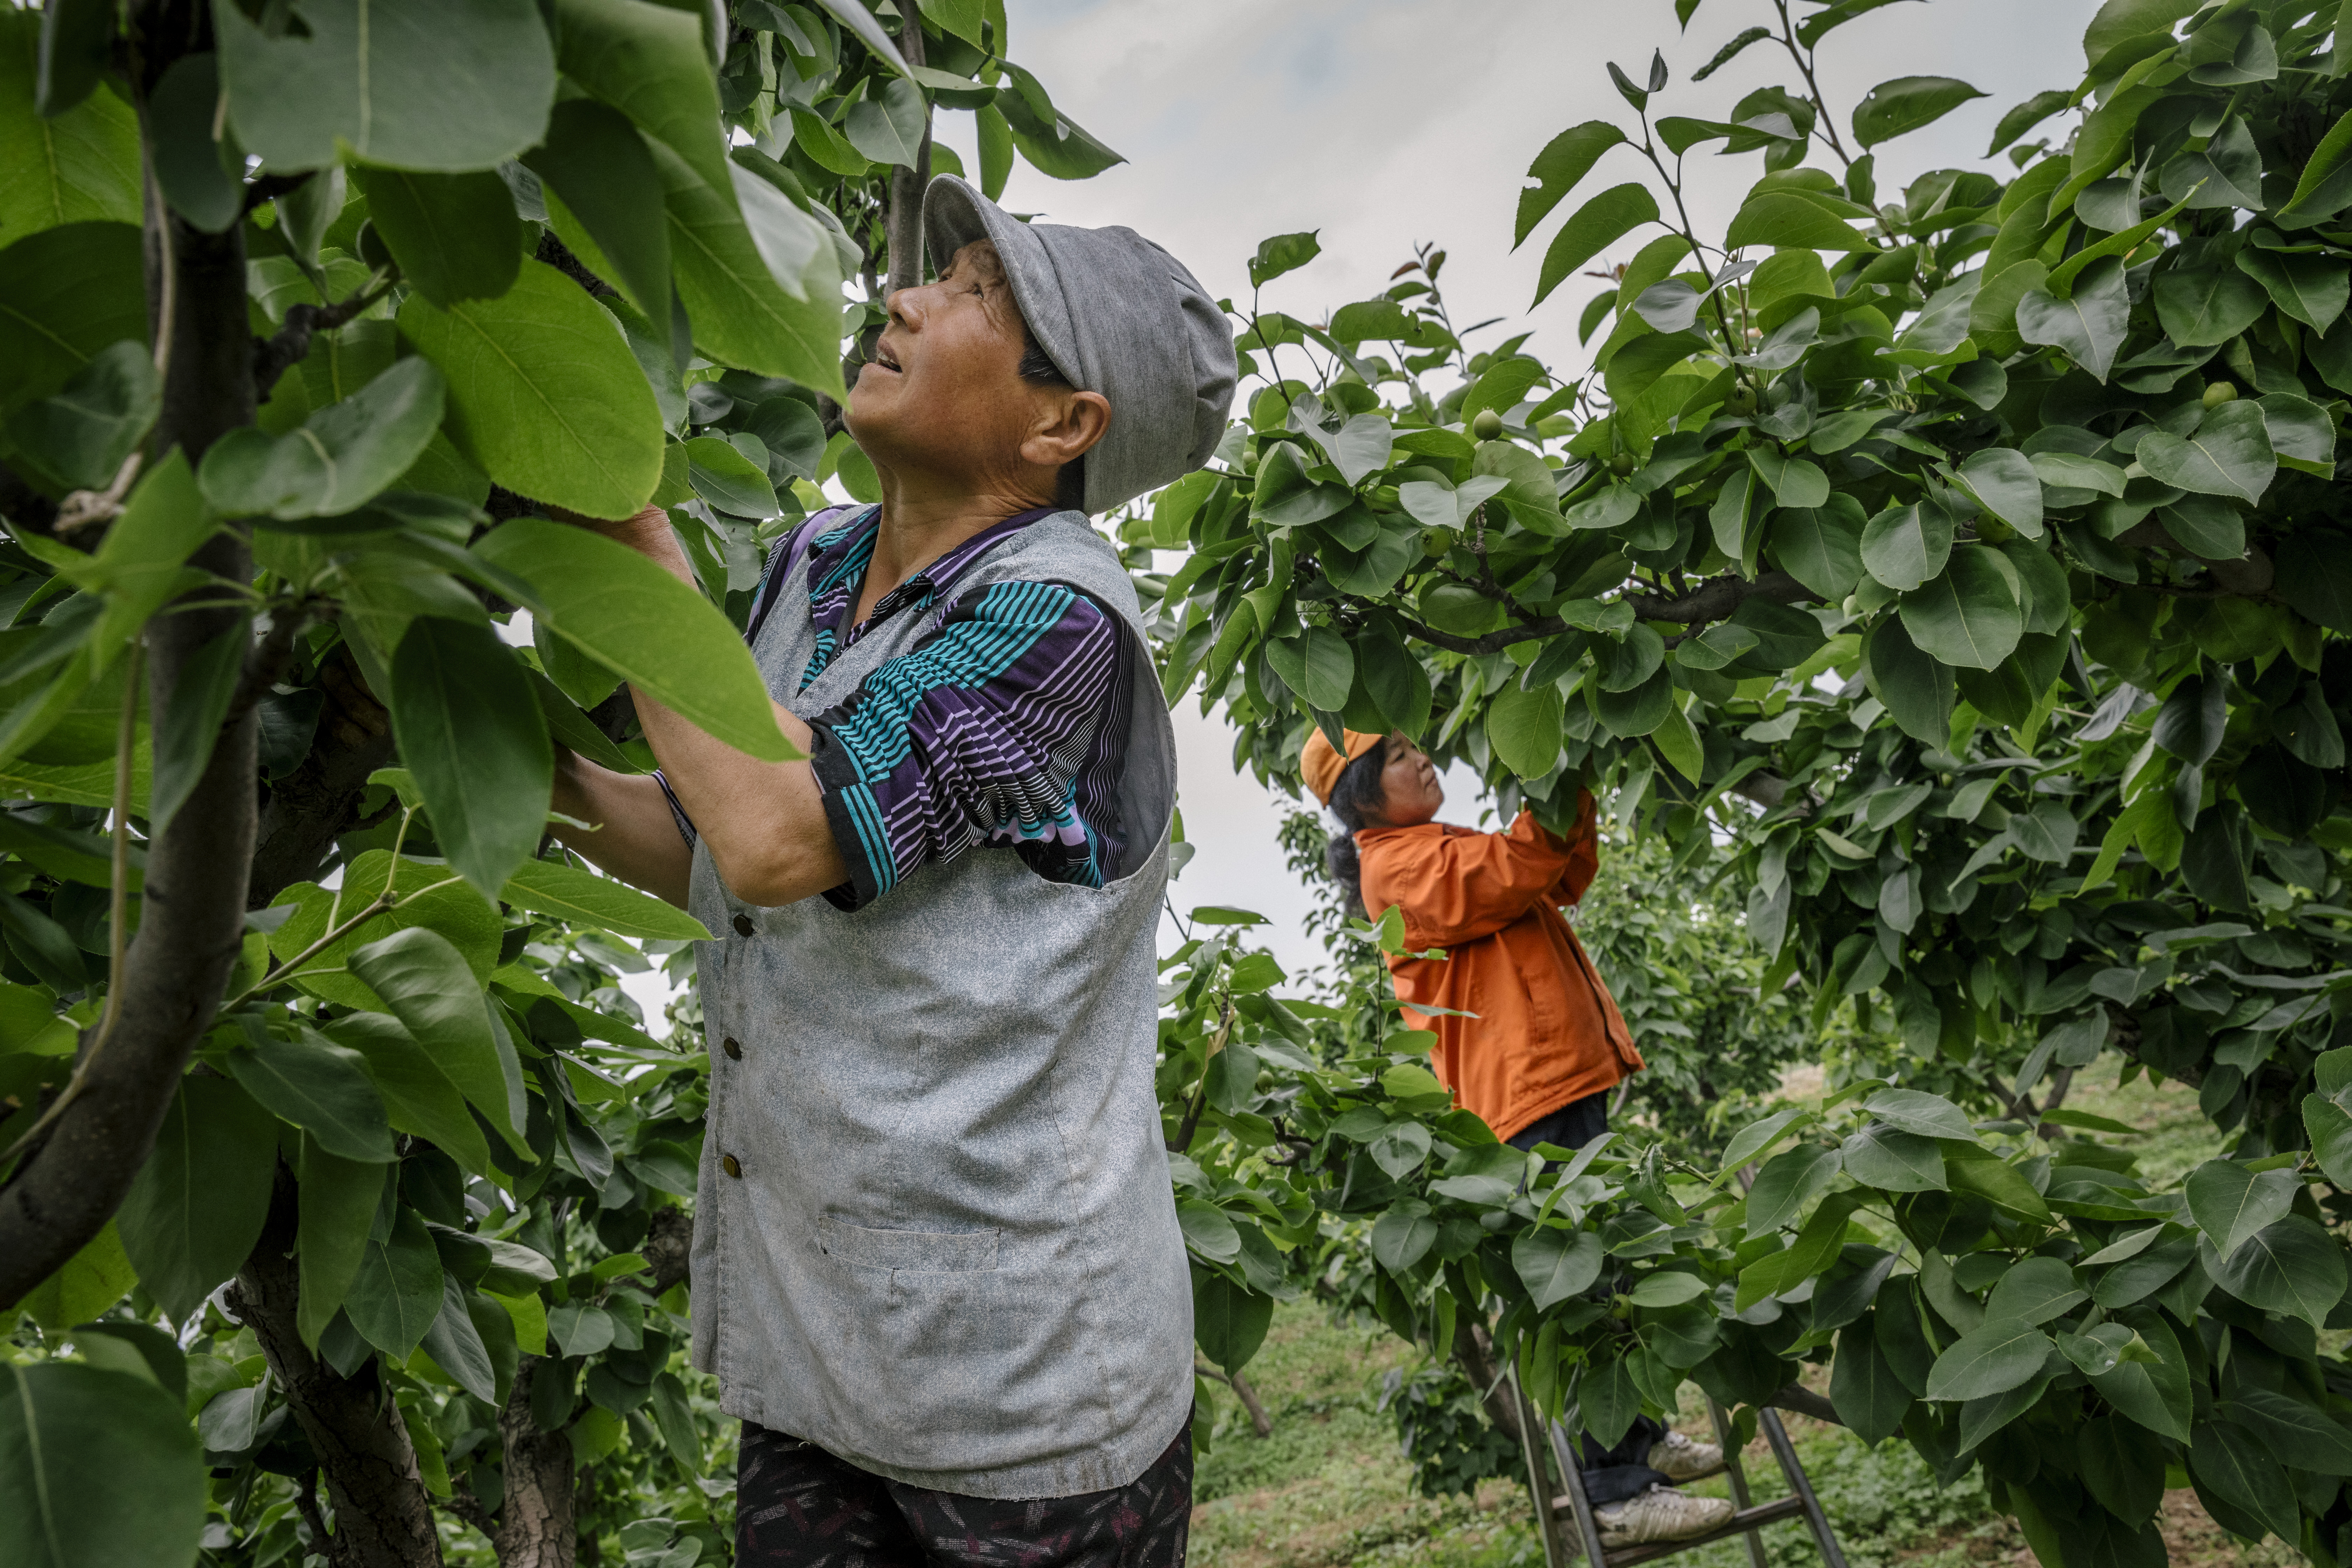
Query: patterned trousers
[(797, 1506)]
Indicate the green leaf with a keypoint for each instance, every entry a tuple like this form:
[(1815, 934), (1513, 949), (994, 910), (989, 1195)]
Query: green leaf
[(454, 1343), (2310, 288), (647, 61), (1905, 104), (1786, 219), (1968, 618), (2234, 1465), (72, 165), (2331, 1137), (2005, 1354), (1871, 1399), (1283, 253), (1821, 546), (102, 1467), (2301, 1434), (67, 294), (1916, 690), (2035, 1291), (676, 1419), (337, 1204), (583, 898), (2121, 1468), (471, 734), (321, 1087), (443, 85), (2209, 304), (1229, 1321), (1893, 1161), (2089, 325), (1054, 144), (341, 458), (90, 1282), (2228, 454), (454, 235), (2025, 116), (197, 1206), (1607, 1399), (426, 984), (1786, 1183), (81, 435), (744, 313), (1524, 728), (2155, 1394), (1904, 546), (2004, 483), (886, 124), (2230, 1202), (543, 393), (1556, 1264), (1593, 228), (1972, 1168), (1913, 1110), (1794, 481), (396, 1294), (1566, 159), (2315, 577), (645, 625), (597, 167), (2292, 1268), (729, 481), (2320, 192), (1402, 1236)]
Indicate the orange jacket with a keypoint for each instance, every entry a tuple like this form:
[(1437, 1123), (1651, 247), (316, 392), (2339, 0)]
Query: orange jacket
[(1546, 1030)]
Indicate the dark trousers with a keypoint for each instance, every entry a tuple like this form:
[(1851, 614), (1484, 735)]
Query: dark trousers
[(1611, 1474), (797, 1506)]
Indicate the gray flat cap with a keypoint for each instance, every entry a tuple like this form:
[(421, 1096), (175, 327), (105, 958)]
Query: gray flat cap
[(1117, 315)]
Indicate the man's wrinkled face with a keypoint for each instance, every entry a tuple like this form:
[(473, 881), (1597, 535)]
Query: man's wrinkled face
[(943, 388)]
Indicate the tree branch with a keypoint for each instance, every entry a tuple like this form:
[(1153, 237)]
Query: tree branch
[(1259, 1421), (273, 356), (1805, 1402), (382, 1516), (667, 1249), (907, 185), (1713, 600), (192, 924)]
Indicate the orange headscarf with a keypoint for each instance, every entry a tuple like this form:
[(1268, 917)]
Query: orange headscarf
[(1320, 764)]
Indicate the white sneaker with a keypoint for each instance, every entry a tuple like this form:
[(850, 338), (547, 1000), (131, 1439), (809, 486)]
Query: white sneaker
[(1680, 1458), (1660, 1514)]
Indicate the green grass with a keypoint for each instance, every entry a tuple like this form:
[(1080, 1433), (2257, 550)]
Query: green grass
[(1329, 1488)]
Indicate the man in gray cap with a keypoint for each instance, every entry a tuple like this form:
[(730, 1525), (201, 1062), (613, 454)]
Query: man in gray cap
[(937, 1267)]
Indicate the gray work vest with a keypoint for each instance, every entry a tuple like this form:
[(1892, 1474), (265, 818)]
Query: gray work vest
[(952, 1255)]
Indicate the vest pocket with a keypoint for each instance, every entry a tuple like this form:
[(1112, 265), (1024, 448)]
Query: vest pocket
[(916, 1251)]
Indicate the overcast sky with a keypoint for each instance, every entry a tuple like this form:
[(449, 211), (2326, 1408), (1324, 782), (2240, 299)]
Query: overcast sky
[(1382, 123)]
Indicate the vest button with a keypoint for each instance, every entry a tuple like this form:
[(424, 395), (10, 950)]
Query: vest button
[(734, 1048), (732, 1166), (743, 926)]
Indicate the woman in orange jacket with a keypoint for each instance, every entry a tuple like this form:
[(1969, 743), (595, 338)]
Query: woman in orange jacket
[(1527, 1036)]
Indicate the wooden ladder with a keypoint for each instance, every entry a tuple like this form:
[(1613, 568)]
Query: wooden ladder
[(1572, 1505)]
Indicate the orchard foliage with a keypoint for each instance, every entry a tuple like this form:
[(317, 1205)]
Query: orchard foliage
[(1972, 556), (331, 1150)]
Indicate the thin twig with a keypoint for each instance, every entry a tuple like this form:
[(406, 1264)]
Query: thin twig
[(375, 906)]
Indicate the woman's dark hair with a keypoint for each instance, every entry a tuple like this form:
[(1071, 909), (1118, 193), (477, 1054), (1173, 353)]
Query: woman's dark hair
[(1037, 369), (1356, 797)]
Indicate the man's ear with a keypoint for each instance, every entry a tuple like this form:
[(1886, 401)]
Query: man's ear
[(1068, 423)]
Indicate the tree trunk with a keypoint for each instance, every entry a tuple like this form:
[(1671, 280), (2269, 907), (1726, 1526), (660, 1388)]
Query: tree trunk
[(907, 185), (1475, 1353), (382, 1516), (192, 919), (537, 1527)]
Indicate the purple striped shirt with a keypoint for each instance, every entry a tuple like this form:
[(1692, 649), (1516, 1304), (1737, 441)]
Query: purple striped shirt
[(1004, 727)]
